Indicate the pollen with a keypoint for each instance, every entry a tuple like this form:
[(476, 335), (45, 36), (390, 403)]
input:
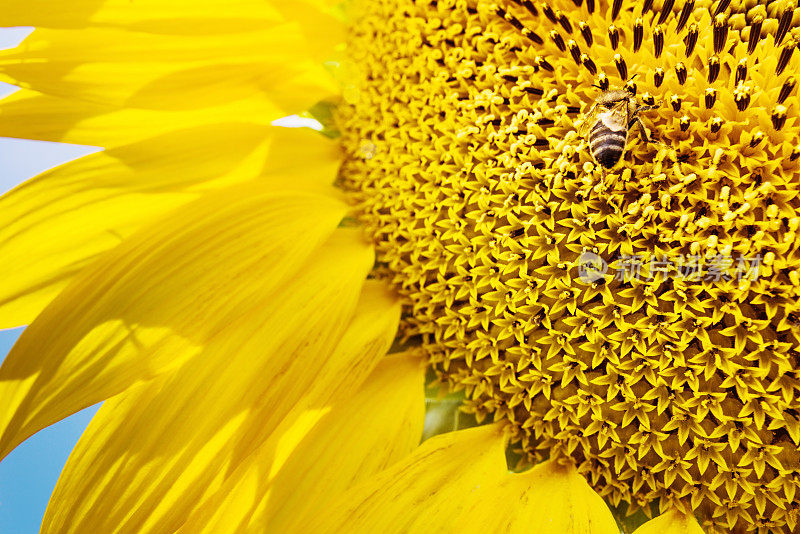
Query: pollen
[(641, 322)]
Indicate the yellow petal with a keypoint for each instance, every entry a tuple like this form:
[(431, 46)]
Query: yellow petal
[(54, 225), (28, 114), (458, 482), (369, 335), (154, 301), (322, 31), (671, 522), (165, 72), (548, 499), (150, 455), (318, 452), (171, 17), (372, 430)]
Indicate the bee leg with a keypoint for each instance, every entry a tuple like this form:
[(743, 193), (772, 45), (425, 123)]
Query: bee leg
[(636, 121)]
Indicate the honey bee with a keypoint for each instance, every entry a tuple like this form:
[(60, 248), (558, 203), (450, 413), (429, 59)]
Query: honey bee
[(608, 122)]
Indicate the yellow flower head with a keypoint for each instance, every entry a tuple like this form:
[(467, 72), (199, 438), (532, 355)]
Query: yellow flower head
[(588, 208), (640, 320)]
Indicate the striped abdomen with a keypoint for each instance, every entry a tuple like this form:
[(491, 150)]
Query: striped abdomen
[(606, 144)]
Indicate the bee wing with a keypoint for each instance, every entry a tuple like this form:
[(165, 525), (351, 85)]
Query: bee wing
[(589, 120), (616, 118)]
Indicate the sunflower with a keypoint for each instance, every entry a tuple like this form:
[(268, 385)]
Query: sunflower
[(266, 312)]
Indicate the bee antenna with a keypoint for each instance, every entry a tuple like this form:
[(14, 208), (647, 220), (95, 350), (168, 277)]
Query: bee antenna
[(595, 85), (634, 76)]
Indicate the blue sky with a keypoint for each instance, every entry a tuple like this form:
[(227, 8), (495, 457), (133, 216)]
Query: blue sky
[(28, 475)]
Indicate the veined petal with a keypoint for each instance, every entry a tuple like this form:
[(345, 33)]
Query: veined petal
[(153, 302), (671, 522), (402, 498), (548, 499), (150, 456), (320, 450), (458, 482), (165, 72), (57, 223), (369, 335), (377, 427)]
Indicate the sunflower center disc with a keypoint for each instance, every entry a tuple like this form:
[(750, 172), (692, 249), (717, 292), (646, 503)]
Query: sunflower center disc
[(641, 320)]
